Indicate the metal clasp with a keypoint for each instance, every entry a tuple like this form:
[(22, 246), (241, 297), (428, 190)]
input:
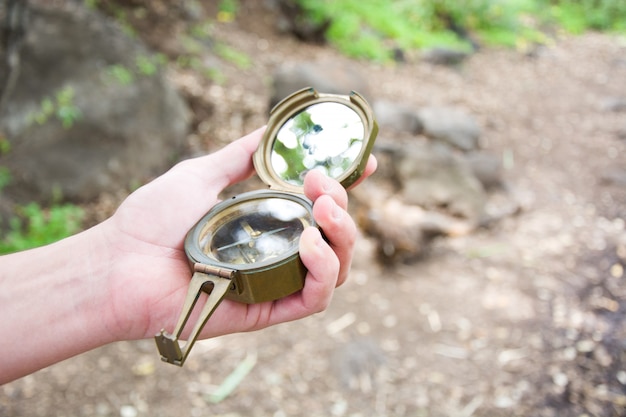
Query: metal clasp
[(215, 282)]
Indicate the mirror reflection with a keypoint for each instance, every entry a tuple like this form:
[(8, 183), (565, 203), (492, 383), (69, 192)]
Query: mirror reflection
[(325, 136)]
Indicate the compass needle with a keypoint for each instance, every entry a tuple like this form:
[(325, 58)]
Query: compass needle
[(249, 230), (251, 240)]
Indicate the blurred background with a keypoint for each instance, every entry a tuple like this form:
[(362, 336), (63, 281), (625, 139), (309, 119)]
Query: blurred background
[(489, 272)]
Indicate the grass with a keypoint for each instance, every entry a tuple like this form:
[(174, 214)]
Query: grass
[(34, 226), (373, 29)]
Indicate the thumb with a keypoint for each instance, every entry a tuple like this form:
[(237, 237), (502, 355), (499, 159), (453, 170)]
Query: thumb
[(229, 165)]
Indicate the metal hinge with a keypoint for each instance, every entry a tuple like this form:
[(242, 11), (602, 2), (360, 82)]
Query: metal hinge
[(212, 270)]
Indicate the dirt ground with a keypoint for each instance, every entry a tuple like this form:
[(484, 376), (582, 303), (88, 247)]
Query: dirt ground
[(524, 318)]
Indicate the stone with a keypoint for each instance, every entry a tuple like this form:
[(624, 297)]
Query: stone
[(397, 116), (357, 363), (614, 177), (403, 232), (324, 76), (451, 125), (432, 176), (422, 190), (614, 104), (444, 56), (122, 124), (621, 133), (293, 19), (487, 168)]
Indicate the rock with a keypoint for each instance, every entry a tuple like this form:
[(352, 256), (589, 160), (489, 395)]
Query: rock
[(84, 116), (614, 104), (487, 168), (325, 77), (451, 125), (397, 116), (403, 231), (422, 190), (358, 363), (432, 176), (614, 177), (293, 19), (444, 56), (621, 133)]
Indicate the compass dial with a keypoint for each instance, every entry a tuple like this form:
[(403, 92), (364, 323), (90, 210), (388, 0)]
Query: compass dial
[(255, 231)]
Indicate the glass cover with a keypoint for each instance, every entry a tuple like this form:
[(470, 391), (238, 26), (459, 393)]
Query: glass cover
[(326, 136), (254, 231)]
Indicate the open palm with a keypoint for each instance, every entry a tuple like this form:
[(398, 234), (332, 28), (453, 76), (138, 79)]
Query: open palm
[(150, 273)]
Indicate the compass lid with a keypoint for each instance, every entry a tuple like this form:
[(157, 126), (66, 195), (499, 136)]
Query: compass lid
[(310, 130)]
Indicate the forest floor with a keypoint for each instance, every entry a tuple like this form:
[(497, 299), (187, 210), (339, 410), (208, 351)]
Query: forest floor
[(524, 318)]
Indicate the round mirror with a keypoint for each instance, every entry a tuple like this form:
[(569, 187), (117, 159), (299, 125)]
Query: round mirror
[(326, 136)]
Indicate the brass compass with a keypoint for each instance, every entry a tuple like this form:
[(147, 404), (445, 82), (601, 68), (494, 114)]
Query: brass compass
[(246, 248)]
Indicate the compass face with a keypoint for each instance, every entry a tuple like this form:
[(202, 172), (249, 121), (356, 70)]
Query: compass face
[(259, 230)]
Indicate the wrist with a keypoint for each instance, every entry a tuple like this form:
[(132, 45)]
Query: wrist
[(54, 304)]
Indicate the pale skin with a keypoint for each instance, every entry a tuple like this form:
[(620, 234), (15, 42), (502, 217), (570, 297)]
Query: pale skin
[(126, 278)]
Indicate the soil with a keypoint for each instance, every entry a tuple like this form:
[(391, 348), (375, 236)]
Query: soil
[(525, 317)]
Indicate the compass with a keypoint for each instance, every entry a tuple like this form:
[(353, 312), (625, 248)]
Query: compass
[(245, 248)]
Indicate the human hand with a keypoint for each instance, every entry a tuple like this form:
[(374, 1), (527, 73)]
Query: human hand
[(149, 274)]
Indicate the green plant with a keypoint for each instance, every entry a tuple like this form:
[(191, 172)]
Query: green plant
[(373, 29), (123, 22), (209, 72), (5, 178), (120, 74), (581, 15), (232, 55), (66, 111), (201, 30), (227, 10), (214, 74), (61, 106), (148, 65), (34, 226), (145, 65), (194, 43), (5, 145), (91, 4)]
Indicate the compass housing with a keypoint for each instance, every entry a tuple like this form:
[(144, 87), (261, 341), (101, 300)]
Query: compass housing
[(246, 249), (307, 130), (265, 280)]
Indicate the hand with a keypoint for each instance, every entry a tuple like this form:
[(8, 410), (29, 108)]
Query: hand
[(149, 274), (127, 277)]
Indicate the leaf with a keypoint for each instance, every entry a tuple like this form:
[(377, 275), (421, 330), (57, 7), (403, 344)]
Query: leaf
[(233, 380)]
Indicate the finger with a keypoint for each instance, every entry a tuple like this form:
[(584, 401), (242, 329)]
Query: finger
[(323, 268), (317, 184), (370, 168), (339, 230)]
